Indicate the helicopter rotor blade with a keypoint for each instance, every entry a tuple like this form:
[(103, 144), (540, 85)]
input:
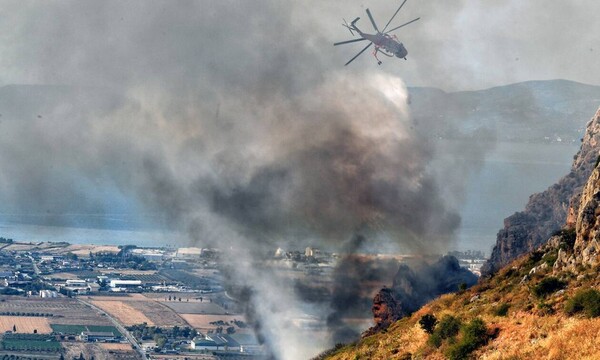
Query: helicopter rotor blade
[(357, 55), (348, 41), (398, 27), (393, 16), (372, 21)]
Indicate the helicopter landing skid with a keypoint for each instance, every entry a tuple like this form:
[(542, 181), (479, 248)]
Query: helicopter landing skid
[(375, 54)]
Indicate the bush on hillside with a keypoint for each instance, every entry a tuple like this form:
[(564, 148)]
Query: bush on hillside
[(548, 286), (447, 328), (501, 310), (428, 322), (585, 301), (474, 335)]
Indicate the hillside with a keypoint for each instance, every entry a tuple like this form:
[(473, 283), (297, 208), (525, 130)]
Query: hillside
[(527, 312), (544, 304), (532, 111)]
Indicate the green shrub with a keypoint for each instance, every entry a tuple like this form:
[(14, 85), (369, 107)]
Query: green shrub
[(474, 335), (501, 310), (545, 308), (435, 340), (427, 323), (550, 258), (548, 286), (448, 327), (585, 301)]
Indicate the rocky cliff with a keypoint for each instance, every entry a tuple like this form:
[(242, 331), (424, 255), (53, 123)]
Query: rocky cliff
[(547, 212), (585, 219), (416, 285)]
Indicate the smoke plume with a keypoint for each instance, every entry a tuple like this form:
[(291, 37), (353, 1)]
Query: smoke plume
[(226, 123)]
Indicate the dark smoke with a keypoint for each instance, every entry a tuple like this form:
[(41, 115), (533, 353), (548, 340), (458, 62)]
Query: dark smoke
[(230, 125), (416, 284)]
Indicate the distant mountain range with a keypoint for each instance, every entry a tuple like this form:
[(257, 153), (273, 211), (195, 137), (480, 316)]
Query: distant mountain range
[(532, 111)]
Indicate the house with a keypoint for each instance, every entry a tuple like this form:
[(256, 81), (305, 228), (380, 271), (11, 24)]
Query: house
[(214, 342), (100, 336), (202, 343), (248, 343)]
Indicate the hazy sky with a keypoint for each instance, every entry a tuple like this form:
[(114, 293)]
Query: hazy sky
[(238, 122), (464, 44)]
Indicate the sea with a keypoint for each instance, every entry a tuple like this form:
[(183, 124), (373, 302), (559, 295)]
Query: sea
[(510, 173)]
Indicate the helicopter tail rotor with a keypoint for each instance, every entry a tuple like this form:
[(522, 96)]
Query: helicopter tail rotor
[(351, 26), (345, 24)]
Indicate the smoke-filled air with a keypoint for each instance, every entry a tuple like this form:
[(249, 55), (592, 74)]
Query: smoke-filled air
[(233, 125)]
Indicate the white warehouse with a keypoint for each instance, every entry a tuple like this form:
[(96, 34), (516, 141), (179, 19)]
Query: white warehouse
[(125, 283)]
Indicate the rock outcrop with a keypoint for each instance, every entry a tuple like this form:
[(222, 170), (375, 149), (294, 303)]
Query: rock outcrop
[(586, 248), (548, 211), (416, 285)]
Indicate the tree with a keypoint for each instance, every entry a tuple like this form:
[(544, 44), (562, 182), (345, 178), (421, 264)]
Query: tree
[(35, 331), (428, 322), (81, 356), (230, 330), (14, 328), (160, 340)]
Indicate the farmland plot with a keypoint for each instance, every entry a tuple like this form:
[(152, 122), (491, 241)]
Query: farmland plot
[(25, 324), (124, 311), (203, 322), (184, 307), (63, 310)]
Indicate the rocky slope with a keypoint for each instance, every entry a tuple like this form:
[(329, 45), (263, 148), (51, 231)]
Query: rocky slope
[(547, 211), (542, 305)]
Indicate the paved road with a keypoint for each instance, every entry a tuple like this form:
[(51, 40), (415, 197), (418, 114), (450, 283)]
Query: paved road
[(123, 331)]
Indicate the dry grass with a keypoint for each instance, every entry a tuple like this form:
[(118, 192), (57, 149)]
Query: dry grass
[(553, 338), (116, 346), (202, 322), (84, 250), (534, 328), (159, 314), (128, 297), (123, 312), (25, 324), (64, 275)]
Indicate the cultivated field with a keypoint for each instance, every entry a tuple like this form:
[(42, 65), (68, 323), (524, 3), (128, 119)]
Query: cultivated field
[(64, 310), (125, 313), (160, 314), (185, 307), (203, 322), (121, 297), (78, 329), (136, 309), (163, 296), (84, 250), (25, 324), (116, 346)]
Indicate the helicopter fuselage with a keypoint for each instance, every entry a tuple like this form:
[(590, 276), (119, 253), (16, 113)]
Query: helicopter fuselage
[(385, 42)]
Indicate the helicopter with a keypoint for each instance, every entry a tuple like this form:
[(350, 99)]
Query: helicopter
[(386, 44)]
